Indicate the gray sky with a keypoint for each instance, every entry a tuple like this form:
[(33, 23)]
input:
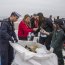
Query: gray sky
[(47, 7)]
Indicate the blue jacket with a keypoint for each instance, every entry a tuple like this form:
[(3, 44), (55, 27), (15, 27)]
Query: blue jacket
[(6, 34), (7, 30)]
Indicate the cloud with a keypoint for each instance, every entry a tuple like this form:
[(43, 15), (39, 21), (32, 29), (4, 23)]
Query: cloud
[(32, 6)]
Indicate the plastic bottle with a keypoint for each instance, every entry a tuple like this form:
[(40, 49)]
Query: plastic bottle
[(32, 36), (29, 36)]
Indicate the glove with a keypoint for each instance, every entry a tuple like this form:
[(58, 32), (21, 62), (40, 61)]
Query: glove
[(51, 49), (16, 40)]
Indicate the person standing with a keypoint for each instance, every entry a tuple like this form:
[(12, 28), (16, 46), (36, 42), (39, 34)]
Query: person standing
[(57, 40), (24, 28), (8, 34)]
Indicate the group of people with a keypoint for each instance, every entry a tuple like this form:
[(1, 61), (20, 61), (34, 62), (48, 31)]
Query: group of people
[(52, 34)]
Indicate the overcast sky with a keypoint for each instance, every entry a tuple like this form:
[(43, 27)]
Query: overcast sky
[(47, 7)]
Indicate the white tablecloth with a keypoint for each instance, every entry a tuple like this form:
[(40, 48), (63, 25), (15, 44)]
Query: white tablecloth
[(25, 57)]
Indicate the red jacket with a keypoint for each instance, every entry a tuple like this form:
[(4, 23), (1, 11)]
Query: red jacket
[(23, 30)]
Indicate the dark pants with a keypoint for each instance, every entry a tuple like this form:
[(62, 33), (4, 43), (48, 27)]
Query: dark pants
[(46, 41), (47, 46), (42, 40), (6, 53), (60, 56), (10, 55)]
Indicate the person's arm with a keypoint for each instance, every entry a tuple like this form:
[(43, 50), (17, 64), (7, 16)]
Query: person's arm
[(14, 34), (26, 29), (44, 32), (15, 37), (23, 30), (4, 32)]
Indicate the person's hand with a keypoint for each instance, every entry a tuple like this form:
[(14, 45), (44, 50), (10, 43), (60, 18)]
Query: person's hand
[(16, 40), (51, 49), (12, 40), (35, 29), (44, 32)]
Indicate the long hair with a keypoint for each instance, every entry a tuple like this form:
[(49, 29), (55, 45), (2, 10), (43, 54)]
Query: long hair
[(26, 17), (28, 24), (41, 18)]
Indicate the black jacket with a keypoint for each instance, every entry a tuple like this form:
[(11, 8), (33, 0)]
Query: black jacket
[(7, 30)]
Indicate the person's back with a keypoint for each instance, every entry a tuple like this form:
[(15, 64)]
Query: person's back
[(48, 26)]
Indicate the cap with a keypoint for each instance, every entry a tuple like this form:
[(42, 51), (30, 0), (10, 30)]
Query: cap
[(15, 14)]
